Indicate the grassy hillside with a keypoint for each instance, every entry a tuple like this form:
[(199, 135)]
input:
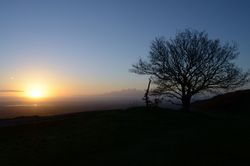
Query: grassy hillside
[(237, 101), (130, 137)]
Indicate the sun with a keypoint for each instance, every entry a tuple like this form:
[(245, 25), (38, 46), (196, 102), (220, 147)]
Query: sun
[(38, 91), (35, 93)]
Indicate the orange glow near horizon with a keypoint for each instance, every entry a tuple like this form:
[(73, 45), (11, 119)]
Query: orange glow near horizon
[(42, 84), (37, 92), (39, 85)]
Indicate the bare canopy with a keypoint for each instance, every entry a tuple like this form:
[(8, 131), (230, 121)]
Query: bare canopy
[(189, 64)]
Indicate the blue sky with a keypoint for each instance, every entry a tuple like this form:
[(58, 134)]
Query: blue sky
[(89, 45)]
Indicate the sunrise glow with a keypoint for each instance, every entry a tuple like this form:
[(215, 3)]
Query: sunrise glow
[(37, 90), (35, 93)]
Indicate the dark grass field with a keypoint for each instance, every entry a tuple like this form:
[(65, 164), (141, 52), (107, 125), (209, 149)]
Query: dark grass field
[(130, 137)]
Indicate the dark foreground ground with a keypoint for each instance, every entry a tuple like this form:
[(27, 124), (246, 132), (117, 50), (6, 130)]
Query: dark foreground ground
[(128, 138)]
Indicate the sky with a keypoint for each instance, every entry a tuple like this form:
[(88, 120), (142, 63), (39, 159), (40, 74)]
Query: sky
[(84, 47)]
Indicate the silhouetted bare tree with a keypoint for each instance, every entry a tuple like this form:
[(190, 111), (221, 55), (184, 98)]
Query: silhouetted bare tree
[(189, 64)]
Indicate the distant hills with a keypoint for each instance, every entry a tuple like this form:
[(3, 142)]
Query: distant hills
[(126, 93), (233, 102)]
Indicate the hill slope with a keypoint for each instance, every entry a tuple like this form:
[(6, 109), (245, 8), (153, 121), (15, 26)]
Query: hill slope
[(130, 137), (233, 101)]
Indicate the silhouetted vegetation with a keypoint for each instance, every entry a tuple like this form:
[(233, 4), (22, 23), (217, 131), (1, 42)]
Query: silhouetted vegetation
[(189, 64)]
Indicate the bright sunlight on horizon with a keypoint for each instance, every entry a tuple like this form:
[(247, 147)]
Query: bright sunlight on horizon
[(36, 93)]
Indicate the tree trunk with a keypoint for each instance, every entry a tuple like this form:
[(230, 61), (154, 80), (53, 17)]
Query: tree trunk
[(186, 100), (147, 101)]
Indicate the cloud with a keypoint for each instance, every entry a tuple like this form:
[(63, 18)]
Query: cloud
[(10, 91)]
